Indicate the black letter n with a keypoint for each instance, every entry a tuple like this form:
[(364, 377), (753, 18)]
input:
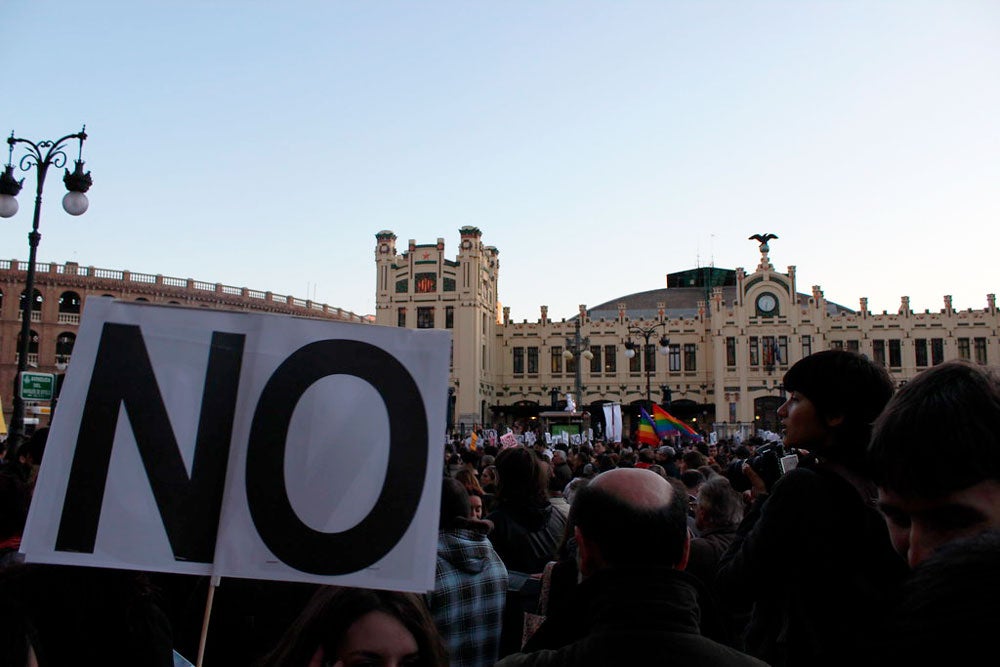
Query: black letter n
[(189, 507)]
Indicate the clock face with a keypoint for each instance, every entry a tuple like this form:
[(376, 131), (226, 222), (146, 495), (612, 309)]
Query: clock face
[(766, 303)]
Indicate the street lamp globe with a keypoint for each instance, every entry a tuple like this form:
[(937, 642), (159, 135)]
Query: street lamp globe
[(8, 206), (75, 203)]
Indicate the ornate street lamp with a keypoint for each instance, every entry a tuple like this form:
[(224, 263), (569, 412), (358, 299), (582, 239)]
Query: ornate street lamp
[(578, 348), (41, 156), (646, 333)]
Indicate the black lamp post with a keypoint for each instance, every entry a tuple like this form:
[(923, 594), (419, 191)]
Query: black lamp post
[(578, 348), (646, 333), (41, 156)]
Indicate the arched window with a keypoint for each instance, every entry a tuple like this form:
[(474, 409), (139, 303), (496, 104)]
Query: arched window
[(64, 346), (36, 304), (69, 302), (32, 346)]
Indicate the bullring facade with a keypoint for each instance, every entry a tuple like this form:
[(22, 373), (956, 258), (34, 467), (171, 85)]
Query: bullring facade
[(61, 291)]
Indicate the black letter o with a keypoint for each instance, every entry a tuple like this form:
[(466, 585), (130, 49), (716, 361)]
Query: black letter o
[(291, 540)]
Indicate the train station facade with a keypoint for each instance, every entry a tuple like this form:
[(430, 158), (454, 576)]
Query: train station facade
[(712, 345)]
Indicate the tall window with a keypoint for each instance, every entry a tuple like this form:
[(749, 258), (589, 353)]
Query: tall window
[(895, 353), (754, 351), (533, 361), (650, 361), (571, 363), (836, 345), (853, 346), (401, 317), (449, 317), (425, 317), (981, 351), (782, 350), (595, 362), (937, 351), (557, 359), (769, 351), (610, 359), (878, 352), (920, 351), (635, 364), (674, 357), (807, 346), (518, 360), (690, 357), (964, 349), (731, 351)]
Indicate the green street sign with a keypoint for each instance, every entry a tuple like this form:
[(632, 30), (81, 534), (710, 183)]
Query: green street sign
[(37, 386)]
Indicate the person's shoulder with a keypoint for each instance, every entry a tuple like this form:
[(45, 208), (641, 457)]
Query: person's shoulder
[(799, 480)]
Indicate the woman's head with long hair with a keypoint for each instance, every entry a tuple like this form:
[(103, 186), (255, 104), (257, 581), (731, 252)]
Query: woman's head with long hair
[(522, 478), (469, 481), (336, 615)]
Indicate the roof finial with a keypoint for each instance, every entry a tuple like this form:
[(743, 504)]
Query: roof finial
[(765, 263)]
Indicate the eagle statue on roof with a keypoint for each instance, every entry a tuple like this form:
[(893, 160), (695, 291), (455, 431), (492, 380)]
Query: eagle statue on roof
[(763, 238)]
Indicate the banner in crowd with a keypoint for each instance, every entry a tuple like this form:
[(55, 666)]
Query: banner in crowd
[(613, 422), (245, 445)]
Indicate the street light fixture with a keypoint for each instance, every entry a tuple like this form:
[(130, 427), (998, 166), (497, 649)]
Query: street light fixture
[(577, 347), (41, 156), (646, 333)]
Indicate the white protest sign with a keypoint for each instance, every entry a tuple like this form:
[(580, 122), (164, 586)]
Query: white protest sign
[(245, 445)]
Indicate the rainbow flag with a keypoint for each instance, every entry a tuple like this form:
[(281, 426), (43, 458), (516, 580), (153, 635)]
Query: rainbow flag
[(662, 416), (647, 433), (663, 423)]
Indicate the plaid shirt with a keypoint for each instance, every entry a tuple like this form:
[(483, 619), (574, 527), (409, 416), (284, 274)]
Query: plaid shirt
[(467, 604)]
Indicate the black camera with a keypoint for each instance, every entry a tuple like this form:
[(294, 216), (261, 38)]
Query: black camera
[(765, 461)]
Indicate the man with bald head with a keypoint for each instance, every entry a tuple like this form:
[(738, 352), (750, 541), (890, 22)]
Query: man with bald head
[(634, 604)]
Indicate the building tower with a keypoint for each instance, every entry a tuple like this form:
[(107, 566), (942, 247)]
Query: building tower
[(421, 289)]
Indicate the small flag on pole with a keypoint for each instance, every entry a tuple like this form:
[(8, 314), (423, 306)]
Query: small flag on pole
[(647, 433)]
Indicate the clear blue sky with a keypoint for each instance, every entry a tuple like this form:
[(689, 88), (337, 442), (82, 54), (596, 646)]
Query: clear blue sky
[(598, 145)]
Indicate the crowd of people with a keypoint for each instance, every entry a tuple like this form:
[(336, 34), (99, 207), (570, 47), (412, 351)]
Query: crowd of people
[(871, 535)]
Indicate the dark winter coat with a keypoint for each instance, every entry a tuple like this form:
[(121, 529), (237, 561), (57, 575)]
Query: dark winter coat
[(815, 560), (646, 616), (526, 537)]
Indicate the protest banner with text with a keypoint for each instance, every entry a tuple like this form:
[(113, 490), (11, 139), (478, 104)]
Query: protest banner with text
[(245, 445)]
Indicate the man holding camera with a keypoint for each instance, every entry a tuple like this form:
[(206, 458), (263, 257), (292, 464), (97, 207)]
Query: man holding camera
[(812, 556)]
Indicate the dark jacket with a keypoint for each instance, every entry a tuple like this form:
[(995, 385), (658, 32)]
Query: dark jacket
[(526, 537), (644, 616), (707, 550), (815, 560)]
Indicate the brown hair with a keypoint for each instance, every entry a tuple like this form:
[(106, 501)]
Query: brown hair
[(333, 609), (469, 481)]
